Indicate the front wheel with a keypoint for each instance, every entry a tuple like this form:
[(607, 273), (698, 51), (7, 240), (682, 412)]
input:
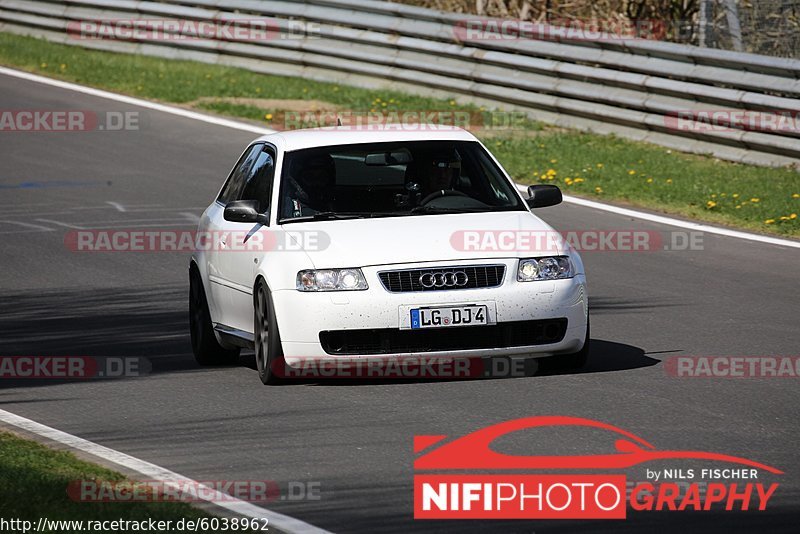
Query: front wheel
[(267, 339), (206, 348)]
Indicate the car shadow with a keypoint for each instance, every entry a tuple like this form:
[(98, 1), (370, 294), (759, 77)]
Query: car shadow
[(150, 324), (604, 356)]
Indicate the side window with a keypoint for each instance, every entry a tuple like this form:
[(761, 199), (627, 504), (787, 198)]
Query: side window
[(258, 180), (237, 177)]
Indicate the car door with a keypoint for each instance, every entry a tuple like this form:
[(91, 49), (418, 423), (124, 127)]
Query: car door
[(219, 298), (242, 244)]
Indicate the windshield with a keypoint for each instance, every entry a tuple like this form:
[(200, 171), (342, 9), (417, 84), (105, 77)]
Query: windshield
[(392, 179)]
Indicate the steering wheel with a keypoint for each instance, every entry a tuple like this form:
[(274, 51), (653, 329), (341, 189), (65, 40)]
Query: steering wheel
[(442, 193)]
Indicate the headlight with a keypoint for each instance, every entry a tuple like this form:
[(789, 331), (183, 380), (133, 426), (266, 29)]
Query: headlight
[(549, 268), (331, 280)]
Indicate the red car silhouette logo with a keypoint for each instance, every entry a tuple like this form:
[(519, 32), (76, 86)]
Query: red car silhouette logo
[(473, 451)]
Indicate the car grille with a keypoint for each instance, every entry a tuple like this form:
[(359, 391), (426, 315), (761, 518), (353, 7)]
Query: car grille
[(392, 340), (408, 280)]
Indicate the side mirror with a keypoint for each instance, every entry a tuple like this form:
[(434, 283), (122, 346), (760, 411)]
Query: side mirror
[(542, 196), (244, 211)]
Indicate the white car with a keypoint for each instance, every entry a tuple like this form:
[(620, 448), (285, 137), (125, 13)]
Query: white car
[(333, 244)]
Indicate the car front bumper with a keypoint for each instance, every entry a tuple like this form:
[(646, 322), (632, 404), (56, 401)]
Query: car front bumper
[(302, 316)]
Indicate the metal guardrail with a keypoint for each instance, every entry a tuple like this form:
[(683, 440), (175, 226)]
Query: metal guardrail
[(630, 87)]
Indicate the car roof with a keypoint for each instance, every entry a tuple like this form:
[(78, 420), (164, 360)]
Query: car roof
[(351, 135)]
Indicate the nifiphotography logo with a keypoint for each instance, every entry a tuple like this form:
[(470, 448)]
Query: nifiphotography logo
[(497, 489)]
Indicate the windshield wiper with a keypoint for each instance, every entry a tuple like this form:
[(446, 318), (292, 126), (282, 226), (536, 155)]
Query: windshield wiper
[(323, 216), (434, 209), (333, 215)]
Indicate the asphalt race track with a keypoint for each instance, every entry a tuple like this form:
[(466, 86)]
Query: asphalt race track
[(732, 298)]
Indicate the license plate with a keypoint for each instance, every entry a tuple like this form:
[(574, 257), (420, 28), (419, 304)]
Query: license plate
[(450, 316)]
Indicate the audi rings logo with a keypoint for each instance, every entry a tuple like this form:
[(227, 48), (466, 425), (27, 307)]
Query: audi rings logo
[(444, 279)]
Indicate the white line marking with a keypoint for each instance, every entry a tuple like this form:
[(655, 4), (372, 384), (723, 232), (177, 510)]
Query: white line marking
[(36, 227), (74, 211), (136, 102), (193, 217), (669, 221), (116, 224), (123, 221), (152, 471), (15, 205), (66, 225), (659, 219), (117, 205), (184, 224), (196, 208), (106, 207)]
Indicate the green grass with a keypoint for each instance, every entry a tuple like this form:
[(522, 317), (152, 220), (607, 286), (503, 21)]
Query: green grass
[(609, 168), (34, 481), (589, 165), (182, 81)]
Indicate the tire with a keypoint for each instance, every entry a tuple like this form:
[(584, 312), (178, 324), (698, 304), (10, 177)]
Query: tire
[(266, 338), (206, 348), (578, 359)]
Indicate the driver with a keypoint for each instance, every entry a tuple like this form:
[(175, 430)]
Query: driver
[(442, 173), (311, 179)]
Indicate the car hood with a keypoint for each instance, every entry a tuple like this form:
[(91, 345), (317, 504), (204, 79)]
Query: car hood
[(424, 238)]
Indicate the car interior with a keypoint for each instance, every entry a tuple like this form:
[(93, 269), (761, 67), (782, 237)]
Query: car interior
[(394, 178)]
